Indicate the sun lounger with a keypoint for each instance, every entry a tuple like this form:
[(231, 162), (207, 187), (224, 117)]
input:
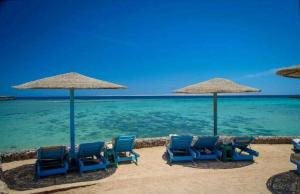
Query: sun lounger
[(123, 148), (90, 156), (240, 149), (295, 158), (179, 148), (51, 161), (206, 148)]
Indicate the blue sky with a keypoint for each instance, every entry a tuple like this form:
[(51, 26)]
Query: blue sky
[(153, 47)]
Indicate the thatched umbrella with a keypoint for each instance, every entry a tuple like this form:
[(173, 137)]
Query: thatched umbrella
[(70, 81), (215, 86), (293, 72)]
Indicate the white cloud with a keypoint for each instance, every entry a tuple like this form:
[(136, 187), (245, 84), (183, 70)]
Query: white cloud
[(261, 74)]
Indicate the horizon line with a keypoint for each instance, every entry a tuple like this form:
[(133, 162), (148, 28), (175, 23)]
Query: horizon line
[(157, 95)]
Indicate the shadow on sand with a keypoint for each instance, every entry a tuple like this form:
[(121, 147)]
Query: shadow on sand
[(210, 164), (286, 182), (23, 178)]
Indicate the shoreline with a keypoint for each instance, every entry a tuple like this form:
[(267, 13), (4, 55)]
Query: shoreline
[(147, 143)]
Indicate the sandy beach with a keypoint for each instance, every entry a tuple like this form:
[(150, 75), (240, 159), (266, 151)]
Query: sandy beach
[(85, 87), (154, 175)]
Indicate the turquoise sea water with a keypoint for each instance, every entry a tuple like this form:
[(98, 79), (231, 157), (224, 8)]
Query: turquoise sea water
[(32, 123)]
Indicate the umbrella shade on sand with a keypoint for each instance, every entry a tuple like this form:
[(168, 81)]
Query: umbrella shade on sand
[(215, 86), (70, 81), (293, 72)]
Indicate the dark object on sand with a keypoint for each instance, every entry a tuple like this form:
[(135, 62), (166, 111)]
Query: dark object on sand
[(286, 182)]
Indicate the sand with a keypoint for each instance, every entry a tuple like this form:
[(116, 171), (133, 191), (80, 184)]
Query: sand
[(154, 175)]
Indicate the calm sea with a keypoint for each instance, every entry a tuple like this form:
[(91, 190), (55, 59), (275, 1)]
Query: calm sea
[(33, 122)]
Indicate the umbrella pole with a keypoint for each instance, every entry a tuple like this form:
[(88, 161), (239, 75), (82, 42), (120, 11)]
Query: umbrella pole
[(215, 114), (72, 125)]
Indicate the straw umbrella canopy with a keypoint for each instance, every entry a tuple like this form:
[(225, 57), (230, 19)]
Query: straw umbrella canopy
[(70, 81), (292, 72), (215, 86)]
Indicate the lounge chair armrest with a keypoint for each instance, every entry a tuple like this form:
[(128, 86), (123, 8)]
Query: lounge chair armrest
[(219, 153), (102, 158), (167, 144), (37, 165), (193, 153), (80, 162), (66, 165), (136, 154), (252, 152), (195, 150), (170, 152)]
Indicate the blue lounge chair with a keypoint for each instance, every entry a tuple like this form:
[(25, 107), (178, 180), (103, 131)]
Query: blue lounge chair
[(296, 145), (206, 148), (240, 151), (179, 148), (51, 161), (123, 148), (295, 158), (89, 156)]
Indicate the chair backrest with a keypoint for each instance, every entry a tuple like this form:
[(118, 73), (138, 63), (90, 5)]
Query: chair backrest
[(90, 149), (51, 153), (206, 142), (180, 142), (242, 141), (123, 143)]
